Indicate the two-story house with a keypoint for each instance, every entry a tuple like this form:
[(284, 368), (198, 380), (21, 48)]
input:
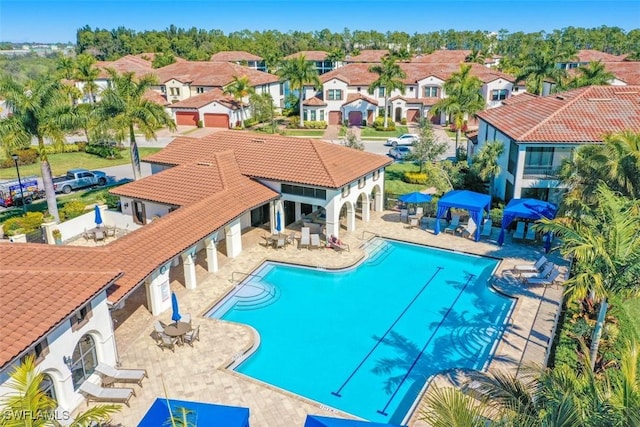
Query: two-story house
[(319, 59), (240, 57), (585, 56), (540, 132)]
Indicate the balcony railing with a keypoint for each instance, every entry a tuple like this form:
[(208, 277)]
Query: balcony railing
[(540, 172)]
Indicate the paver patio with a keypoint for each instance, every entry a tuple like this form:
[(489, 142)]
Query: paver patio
[(199, 373)]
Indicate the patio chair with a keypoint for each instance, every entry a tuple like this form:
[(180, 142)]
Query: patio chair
[(546, 271), (486, 228), (110, 232), (122, 375), (168, 342), (291, 239), (469, 229), (86, 234), (94, 392), (98, 235), (315, 241), (537, 266), (192, 336), (186, 318), (455, 221), (519, 233), (419, 212), (404, 214), (544, 281), (305, 238), (531, 234), (414, 223), (279, 242)]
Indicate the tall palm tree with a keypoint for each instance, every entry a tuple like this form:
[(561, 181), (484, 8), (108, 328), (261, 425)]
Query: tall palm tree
[(590, 75), (449, 407), (299, 72), (605, 247), (485, 162), (240, 88), (87, 73), (123, 108), (390, 77), (476, 56), (463, 98), (542, 64), (39, 109), (27, 397)]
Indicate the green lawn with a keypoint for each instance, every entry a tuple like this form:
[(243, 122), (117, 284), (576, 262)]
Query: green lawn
[(393, 178), (368, 132), (62, 162), (314, 133)]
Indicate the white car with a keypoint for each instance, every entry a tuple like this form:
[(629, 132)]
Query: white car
[(404, 139)]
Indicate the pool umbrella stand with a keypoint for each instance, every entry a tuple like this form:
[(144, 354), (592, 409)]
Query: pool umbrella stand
[(278, 222), (98, 216), (175, 310)]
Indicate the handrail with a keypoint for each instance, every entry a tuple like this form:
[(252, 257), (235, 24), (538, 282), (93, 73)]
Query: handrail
[(370, 232), (246, 274)]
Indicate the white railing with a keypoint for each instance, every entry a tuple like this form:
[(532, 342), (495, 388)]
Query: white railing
[(76, 226)]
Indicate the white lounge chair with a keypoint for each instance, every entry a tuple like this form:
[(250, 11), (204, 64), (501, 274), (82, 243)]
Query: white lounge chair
[(414, 223), (470, 229), (537, 266), (305, 240), (106, 394), (419, 212), (519, 233), (545, 281), (531, 234), (455, 221), (404, 214), (121, 375), (546, 271), (487, 227), (315, 241)]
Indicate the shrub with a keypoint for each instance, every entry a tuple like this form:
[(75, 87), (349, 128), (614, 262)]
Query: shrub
[(200, 124), (250, 122), (26, 156), (415, 177), (25, 223), (403, 121), (103, 150), (315, 125), (72, 209), (378, 124), (496, 215), (82, 145), (112, 201)]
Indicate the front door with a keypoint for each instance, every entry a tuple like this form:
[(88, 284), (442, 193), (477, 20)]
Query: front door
[(355, 118), (398, 114)]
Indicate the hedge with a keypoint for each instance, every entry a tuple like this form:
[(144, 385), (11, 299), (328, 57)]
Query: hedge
[(415, 177), (71, 210), (26, 156), (315, 124), (25, 223)]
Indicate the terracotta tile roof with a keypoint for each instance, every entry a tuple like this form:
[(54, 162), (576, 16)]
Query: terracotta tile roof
[(158, 98), (150, 56), (356, 96), (310, 55), (235, 56), (443, 56), (359, 74), (213, 95), (299, 160), (628, 71), (371, 55), (30, 309), (588, 55), (578, 116), (209, 73), (314, 102), (523, 97), (129, 63)]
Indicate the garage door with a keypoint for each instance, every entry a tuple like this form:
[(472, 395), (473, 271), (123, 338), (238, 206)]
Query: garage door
[(355, 118), (187, 118), (335, 117), (216, 121), (413, 115)]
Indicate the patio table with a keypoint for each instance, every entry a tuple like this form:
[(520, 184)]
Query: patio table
[(177, 330)]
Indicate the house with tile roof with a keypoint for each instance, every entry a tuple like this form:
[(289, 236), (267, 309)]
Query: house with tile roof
[(319, 59), (346, 98), (186, 86), (625, 73), (584, 56), (241, 57), (540, 132), (367, 56)]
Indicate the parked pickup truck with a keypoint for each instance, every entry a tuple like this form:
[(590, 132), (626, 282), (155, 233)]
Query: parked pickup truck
[(78, 178)]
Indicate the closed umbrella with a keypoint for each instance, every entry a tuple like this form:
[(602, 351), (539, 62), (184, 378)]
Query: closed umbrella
[(278, 222), (175, 315), (98, 217)]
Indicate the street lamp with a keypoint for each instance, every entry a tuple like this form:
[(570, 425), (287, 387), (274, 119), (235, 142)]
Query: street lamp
[(15, 158)]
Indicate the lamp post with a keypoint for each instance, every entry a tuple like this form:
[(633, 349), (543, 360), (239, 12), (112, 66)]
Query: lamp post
[(15, 158)]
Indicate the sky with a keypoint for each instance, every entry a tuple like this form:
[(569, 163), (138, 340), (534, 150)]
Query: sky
[(58, 20)]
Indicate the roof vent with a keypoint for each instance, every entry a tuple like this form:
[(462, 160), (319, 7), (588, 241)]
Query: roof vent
[(626, 92), (560, 97), (260, 140), (203, 164), (598, 99)]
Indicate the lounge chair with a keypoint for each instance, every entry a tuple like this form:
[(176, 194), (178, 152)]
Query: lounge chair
[(544, 281), (469, 229), (304, 237), (419, 212), (315, 241), (404, 214), (486, 228), (192, 336), (106, 394), (339, 246), (168, 342), (531, 234), (122, 375), (546, 271), (455, 221), (519, 233), (537, 266), (414, 223)]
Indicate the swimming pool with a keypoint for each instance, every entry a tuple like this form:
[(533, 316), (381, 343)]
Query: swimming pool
[(366, 340)]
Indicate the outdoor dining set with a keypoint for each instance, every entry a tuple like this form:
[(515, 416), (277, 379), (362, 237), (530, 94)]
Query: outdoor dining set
[(177, 333)]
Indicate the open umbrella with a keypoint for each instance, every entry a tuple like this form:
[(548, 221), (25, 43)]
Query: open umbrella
[(278, 222), (98, 217), (175, 315), (415, 197)]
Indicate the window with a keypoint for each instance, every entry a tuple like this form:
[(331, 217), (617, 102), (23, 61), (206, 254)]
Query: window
[(539, 156), (84, 360), (362, 182), (174, 91), (316, 193), (139, 216), (39, 351), (81, 317), (313, 115), (513, 158), (346, 191), (334, 95), (499, 94), (410, 88), (281, 86), (163, 89), (199, 90), (47, 387), (359, 89), (431, 91), (381, 92), (376, 175), (322, 115)]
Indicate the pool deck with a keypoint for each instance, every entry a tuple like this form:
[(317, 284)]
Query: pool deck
[(199, 373)]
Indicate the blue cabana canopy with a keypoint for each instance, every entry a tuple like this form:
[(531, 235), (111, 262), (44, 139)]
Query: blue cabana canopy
[(528, 209), (202, 414), (318, 421), (475, 203)]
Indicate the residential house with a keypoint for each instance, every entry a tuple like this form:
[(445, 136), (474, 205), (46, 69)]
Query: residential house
[(367, 56), (319, 59), (625, 73), (540, 132), (241, 57), (584, 56)]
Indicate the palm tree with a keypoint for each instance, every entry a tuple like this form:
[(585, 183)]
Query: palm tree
[(240, 88), (39, 109), (87, 73), (390, 77), (124, 108), (540, 65), (476, 56), (592, 74), (485, 162), (449, 407), (463, 98), (299, 73), (605, 247), (27, 397)]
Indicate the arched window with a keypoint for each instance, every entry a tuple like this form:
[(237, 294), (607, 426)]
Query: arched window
[(84, 360), (47, 386)]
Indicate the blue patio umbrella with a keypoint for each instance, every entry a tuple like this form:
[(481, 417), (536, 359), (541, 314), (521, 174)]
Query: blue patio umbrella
[(278, 222), (175, 315), (415, 197), (98, 217)]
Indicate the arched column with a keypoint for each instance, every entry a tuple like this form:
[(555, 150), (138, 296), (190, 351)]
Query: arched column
[(189, 267), (351, 216), (378, 200), (365, 206)]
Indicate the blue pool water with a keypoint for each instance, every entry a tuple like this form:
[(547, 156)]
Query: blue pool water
[(366, 340)]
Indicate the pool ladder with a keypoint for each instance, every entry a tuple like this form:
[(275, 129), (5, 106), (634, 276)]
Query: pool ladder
[(380, 252)]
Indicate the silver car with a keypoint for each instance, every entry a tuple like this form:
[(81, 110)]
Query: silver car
[(399, 153)]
